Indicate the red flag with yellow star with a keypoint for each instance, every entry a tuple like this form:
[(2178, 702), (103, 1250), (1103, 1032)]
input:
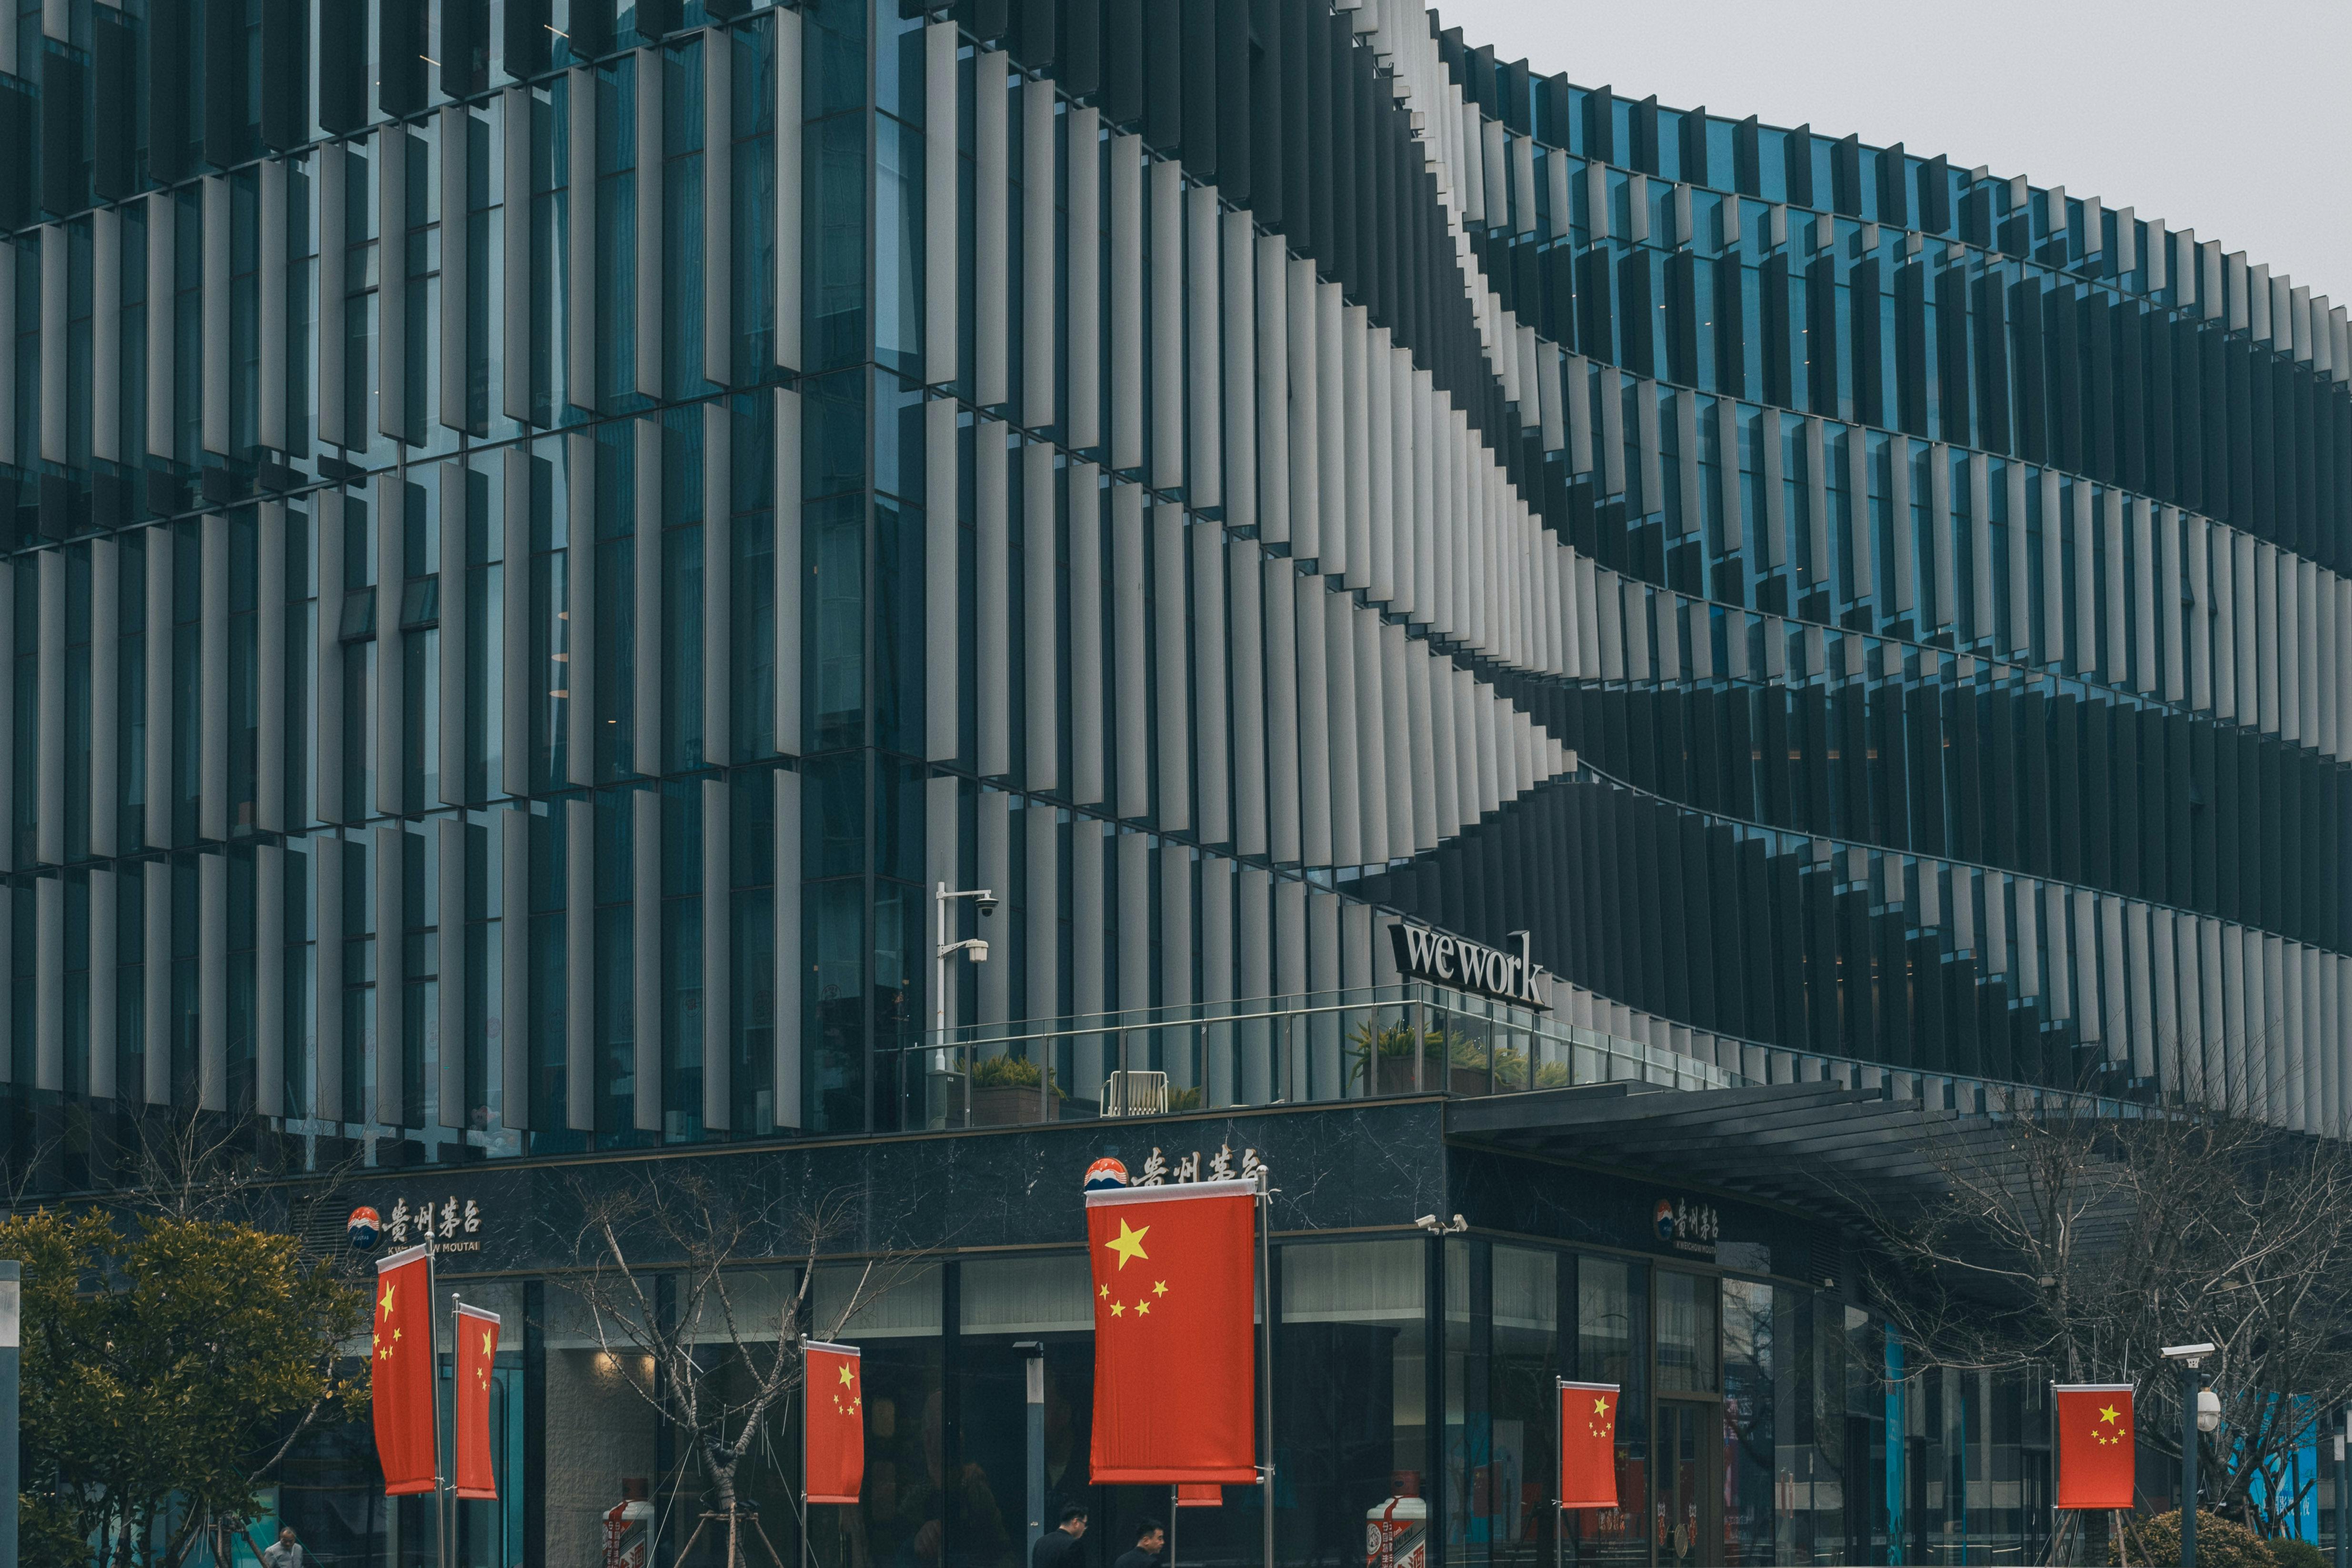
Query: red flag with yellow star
[(2093, 1425), (1588, 1445), (477, 1349), (833, 1439), (1175, 1295), (400, 1372)]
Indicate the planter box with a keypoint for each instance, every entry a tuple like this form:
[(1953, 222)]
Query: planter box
[(1393, 1075), (1004, 1105)]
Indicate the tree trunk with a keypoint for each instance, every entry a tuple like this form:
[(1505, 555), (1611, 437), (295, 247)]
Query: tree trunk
[(722, 1481)]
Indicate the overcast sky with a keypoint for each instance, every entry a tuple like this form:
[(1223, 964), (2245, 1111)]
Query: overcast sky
[(2231, 119)]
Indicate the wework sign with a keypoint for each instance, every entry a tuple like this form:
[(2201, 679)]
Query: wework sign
[(1465, 965)]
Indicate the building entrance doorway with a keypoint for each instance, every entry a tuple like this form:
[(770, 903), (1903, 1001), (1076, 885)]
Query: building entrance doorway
[(1688, 1523)]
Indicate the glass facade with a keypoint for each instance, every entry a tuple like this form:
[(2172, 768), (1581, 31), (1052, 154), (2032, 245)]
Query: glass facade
[(542, 532), (534, 534)]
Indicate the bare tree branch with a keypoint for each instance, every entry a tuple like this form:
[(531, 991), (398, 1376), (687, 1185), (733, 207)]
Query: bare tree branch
[(2071, 1238), (663, 1265)]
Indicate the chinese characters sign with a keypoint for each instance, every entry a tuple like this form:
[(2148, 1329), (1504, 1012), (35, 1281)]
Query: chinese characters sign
[(452, 1226), (1687, 1227), (1157, 1173)]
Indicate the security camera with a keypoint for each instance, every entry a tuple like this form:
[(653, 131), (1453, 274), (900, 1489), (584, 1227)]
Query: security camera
[(979, 950), (987, 902)]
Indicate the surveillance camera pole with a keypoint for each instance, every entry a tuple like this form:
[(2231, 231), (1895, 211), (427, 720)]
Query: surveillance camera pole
[(940, 898)]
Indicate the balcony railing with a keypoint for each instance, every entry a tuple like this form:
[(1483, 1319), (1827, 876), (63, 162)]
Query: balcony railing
[(1372, 1043)]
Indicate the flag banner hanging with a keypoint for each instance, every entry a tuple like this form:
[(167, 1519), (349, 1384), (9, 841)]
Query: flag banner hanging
[(834, 1433), (477, 1351), (1175, 1289), (1200, 1494), (2093, 1423), (400, 1372), (1588, 1445)]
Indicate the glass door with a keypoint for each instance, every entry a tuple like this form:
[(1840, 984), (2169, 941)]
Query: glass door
[(1686, 1506), (1688, 1501)]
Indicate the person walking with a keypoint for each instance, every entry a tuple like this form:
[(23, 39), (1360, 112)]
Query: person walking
[(1058, 1547), (1151, 1540), (287, 1551)]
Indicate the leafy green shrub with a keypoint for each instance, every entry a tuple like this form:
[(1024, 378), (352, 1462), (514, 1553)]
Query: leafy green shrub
[(2220, 1542), (2289, 1551), (163, 1391)]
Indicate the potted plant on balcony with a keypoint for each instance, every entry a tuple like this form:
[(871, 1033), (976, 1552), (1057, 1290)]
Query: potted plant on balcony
[(1382, 1060), (1511, 1071), (1004, 1092), (1467, 1058)]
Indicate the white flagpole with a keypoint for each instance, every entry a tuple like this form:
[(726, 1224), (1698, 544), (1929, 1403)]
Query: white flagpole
[(1559, 1505), (1266, 1342), (441, 1523)]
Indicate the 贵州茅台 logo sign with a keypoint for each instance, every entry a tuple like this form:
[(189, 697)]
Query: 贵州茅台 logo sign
[(1423, 953), (1687, 1227)]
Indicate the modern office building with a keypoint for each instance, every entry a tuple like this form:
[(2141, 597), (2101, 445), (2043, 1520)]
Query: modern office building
[(539, 533)]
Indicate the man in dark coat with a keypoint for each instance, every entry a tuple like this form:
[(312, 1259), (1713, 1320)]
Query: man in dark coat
[(1151, 1540), (1059, 1548)]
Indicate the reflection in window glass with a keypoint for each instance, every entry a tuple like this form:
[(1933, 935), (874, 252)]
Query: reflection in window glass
[(1749, 1458), (1351, 1442), (1610, 1314), (1522, 1397), (1687, 1313)]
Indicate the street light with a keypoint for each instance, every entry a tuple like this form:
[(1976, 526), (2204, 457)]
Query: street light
[(2343, 1493), (1033, 1353), (12, 1298), (2195, 1418)]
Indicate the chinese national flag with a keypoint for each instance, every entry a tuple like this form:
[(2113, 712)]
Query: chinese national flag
[(835, 1439), (1588, 1445), (1175, 1292), (477, 1349), (399, 1380), (2094, 1423)]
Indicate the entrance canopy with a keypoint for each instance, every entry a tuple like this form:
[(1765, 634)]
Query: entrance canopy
[(1850, 1153)]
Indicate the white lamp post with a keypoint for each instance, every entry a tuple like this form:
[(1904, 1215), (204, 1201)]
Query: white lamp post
[(12, 1292), (2201, 1412)]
